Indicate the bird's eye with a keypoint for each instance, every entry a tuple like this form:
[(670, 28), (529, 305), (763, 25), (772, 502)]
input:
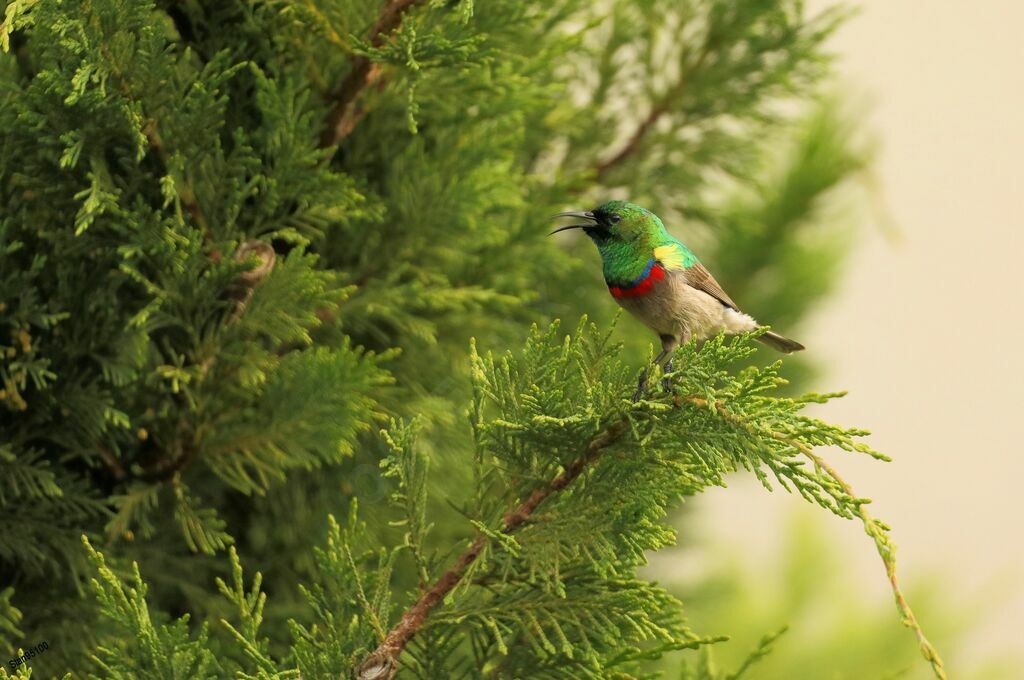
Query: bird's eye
[(614, 218)]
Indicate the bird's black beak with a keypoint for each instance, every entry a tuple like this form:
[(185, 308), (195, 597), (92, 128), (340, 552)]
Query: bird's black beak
[(582, 215)]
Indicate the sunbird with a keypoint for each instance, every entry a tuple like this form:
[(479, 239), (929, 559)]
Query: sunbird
[(661, 282)]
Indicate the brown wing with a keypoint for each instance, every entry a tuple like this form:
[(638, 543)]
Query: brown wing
[(701, 279)]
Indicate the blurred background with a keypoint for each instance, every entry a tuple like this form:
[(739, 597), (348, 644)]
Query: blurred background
[(923, 332)]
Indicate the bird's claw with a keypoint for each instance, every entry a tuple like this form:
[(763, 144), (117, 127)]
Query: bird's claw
[(666, 382), (641, 387)]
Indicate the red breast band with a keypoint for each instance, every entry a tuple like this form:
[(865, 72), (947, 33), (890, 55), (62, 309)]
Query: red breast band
[(641, 287)]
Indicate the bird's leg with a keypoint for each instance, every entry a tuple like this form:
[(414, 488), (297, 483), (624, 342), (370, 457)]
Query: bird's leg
[(668, 343), (641, 385)]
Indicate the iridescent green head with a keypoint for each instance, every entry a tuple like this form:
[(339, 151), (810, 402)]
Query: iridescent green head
[(625, 234), (618, 222)]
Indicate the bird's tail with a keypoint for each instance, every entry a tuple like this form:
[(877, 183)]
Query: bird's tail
[(780, 343)]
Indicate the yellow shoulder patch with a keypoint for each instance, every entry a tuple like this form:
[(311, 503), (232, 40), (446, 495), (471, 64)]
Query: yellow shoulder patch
[(672, 257)]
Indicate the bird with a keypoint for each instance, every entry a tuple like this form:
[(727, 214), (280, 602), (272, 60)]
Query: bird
[(657, 279)]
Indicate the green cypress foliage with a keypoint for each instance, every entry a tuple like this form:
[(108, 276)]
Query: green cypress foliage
[(243, 248)]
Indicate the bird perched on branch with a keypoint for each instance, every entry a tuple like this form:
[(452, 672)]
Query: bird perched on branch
[(661, 282)]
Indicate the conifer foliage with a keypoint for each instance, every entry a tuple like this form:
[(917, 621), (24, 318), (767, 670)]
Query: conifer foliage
[(243, 248)]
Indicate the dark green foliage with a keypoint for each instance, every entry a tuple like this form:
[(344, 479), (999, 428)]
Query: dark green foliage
[(206, 315)]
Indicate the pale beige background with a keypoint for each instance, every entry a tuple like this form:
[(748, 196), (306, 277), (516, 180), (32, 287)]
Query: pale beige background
[(927, 330)]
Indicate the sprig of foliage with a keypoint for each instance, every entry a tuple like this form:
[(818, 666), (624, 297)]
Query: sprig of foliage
[(539, 593), (651, 455), (148, 649), (9, 618), (704, 668)]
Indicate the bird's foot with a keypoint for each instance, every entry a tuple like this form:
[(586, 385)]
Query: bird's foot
[(641, 386), (666, 382)]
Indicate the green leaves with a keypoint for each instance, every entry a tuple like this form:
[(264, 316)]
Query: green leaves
[(549, 586), (43, 510), (307, 414), (10, 616), (351, 602), (17, 15), (147, 649), (249, 605), (409, 467), (555, 590), (732, 421), (532, 414), (203, 529), (595, 627)]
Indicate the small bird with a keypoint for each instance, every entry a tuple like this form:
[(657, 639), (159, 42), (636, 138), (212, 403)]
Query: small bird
[(661, 282)]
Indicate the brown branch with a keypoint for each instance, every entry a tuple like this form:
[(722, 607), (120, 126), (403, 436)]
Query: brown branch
[(382, 663), (347, 111), (882, 545), (657, 111), (635, 139), (113, 464)]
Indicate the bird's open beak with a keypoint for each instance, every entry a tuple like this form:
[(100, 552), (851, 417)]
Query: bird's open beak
[(583, 215)]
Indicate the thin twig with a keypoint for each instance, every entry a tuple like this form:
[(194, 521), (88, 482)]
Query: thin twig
[(882, 545), (659, 109), (635, 139), (887, 552), (382, 663), (347, 112), (113, 464)]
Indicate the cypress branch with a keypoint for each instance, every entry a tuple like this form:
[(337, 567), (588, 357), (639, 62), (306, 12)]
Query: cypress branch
[(699, 376), (886, 550), (346, 111), (382, 663)]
